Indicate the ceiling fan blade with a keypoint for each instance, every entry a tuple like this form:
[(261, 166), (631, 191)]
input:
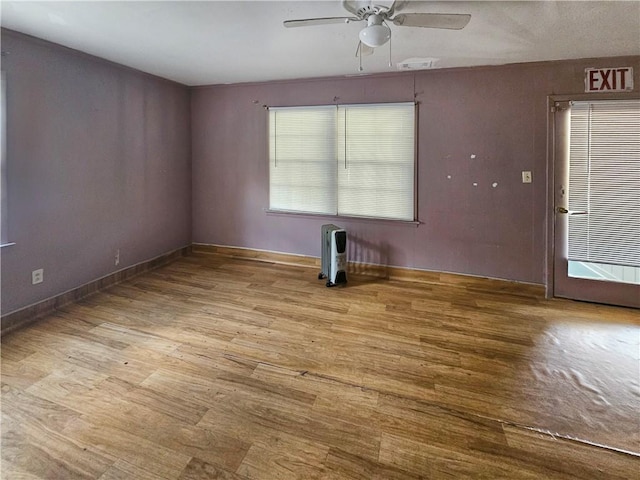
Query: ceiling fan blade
[(363, 50), (452, 21), (349, 7), (305, 22), (396, 6)]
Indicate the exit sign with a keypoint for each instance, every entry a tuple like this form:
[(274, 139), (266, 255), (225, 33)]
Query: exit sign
[(618, 79)]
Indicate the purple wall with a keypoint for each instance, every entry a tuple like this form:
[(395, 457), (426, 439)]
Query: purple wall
[(498, 114), (99, 159)]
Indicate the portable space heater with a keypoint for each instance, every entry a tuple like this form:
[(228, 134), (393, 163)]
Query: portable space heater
[(334, 255)]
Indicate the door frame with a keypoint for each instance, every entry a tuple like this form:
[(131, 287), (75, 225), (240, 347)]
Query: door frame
[(551, 174)]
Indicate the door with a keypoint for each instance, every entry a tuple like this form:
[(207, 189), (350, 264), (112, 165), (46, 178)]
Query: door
[(597, 201)]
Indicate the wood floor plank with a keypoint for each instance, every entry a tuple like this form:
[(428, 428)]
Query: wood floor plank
[(122, 470), (343, 465), (135, 450), (554, 457), (430, 461), (182, 408), (38, 450), (65, 380), (198, 469), (257, 420), (9, 470), (321, 387), (222, 367), (436, 425), (20, 374), (281, 464)]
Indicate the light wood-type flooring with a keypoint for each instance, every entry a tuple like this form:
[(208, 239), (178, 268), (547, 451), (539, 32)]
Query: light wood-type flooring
[(218, 367)]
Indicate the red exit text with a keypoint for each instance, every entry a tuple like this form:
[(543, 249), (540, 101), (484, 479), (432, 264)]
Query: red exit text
[(608, 79)]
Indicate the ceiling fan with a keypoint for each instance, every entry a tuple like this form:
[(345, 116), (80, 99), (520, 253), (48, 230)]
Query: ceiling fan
[(377, 32)]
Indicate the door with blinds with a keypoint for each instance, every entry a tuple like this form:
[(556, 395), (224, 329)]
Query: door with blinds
[(597, 201)]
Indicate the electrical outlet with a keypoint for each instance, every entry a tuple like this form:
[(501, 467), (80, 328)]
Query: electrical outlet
[(37, 276), (117, 259), (526, 177)]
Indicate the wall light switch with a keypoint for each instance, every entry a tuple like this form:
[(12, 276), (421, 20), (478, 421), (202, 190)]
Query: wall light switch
[(526, 177), (37, 276)]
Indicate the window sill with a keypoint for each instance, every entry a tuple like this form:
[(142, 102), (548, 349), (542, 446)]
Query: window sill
[(337, 218)]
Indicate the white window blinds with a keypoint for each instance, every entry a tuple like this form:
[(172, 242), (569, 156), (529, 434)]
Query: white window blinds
[(302, 159), (351, 160), (604, 185), (376, 161)]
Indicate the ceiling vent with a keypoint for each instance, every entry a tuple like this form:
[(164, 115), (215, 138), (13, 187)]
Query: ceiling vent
[(417, 64)]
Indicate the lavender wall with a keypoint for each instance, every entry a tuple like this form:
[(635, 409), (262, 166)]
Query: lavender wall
[(98, 160), (101, 158), (481, 125)]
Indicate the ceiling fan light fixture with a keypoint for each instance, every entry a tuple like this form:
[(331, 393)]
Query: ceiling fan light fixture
[(376, 33)]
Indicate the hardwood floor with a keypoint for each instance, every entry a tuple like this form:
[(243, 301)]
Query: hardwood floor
[(217, 367)]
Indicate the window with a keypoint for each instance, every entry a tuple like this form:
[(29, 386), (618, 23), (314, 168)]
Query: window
[(350, 160), (604, 189)]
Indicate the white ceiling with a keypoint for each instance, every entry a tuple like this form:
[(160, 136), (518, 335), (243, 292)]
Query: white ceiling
[(213, 42)]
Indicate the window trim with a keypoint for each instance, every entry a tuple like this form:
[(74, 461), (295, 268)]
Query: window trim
[(391, 221), (4, 194)]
